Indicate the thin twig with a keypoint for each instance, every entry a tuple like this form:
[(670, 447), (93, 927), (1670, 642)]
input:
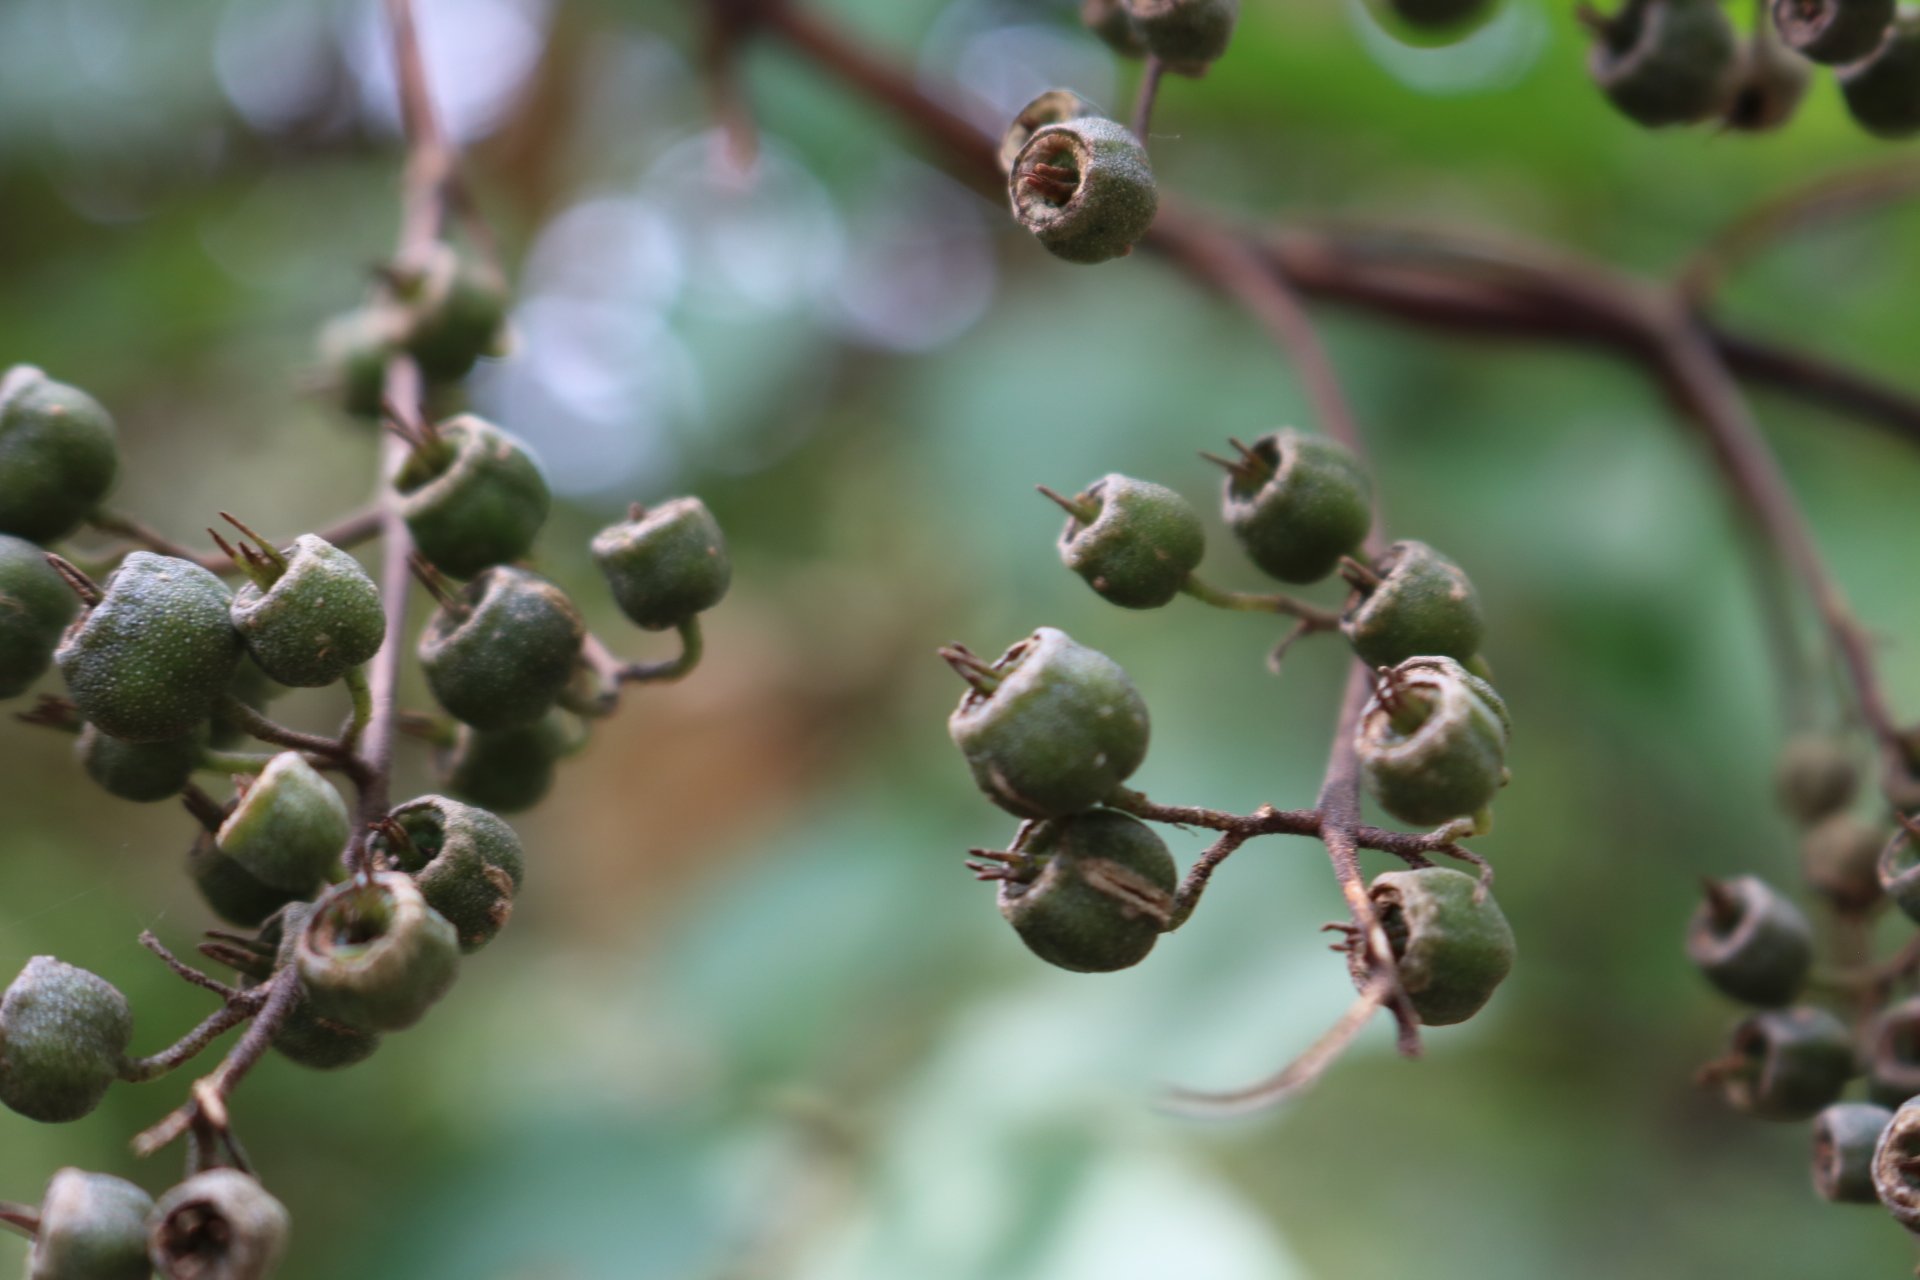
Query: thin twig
[(1296, 1076), (183, 970), (347, 532), (278, 996), (1149, 93), (1312, 617)]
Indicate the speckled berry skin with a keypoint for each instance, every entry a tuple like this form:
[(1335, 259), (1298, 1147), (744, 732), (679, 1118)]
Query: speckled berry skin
[(507, 770), (1453, 763), (1103, 894), (388, 981), (462, 310), (289, 829), (480, 502), (1882, 90), (63, 1035), (1761, 957), (666, 566), (466, 861), (1188, 35), (1104, 208), (35, 607), (1315, 507), (1450, 939), (144, 772), (183, 1242), (509, 658), (1844, 1138), (148, 661), (1140, 548), (1796, 1062), (93, 1226), (235, 894), (322, 616), (58, 455), (1062, 730), (1832, 31), (1666, 62), (1424, 606)]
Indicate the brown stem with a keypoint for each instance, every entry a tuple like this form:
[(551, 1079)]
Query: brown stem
[(258, 726), (210, 812), (1149, 93), (348, 531), (277, 996)]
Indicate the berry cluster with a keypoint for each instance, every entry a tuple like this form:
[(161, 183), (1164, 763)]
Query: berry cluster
[(1052, 730)]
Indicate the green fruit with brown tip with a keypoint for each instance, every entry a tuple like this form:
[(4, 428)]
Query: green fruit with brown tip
[(1187, 35), (320, 616), (217, 1225), (289, 829), (466, 861), (64, 1033), (1665, 62), (507, 770), (1051, 727), (35, 607), (1844, 1138), (1051, 107), (143, 772), (1750, 942), (474, 499), (374, 955), (1297, 503), (58, 455), (1882, 90), (504, 660), (1432, 742), (235, 894), (1788, 1064), (1451, 942), (459, 316), (1134, 542), (1414, 603), (666, 564), (148, 662), (306, 1038), (93, 1226), (1091, 892), (1085, 188)]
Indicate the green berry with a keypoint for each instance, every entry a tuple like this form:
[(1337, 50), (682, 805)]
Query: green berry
[(306, 1038), (235, 894), (1433, 741), (665, 565), (1110, 20), (35, 607), (217, 1225), (503, 662), (1892, 1053), (1816, 775), (1298, 503), (1134, 542), (476, 500), (1049, 729), (1423, 605), (466, 861), (460, 315), (1750, 942), (1093, 892), (290, 828), (1451, 941), (1896, 1166), (374, 955), (1832, 31), (1187, 35), (57, 455), (63, 1035), (147, 663), (507, 770), (143, 772), (1792, 1063), (355, 347), (1665, 62), (1844, 1136), (93, 1226), (321, 615), (1084, 187), (1841, 856), (1882, 90)]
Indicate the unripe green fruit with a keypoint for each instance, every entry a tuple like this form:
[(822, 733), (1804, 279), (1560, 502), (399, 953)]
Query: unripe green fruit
[(1051, 728), (1110, 20), (1896, 1175), (374, 955), (1841, 857), (504, 663), (1844, 1136), (290, 827), (1100, 893), (1187, 35), (1425, 605), (1882, 90), (1085, 189), (1793, 1063), (35, 607), (1140, 545), (63, 1035), (1899, 870), (1051, 107), (478, 501), (93, 1226), (1297, 503), (235, 894), (322, 616), (1438, 15), (665, 565), (217, 1225), (466, 861), (507, 770), (1451, 941), (143, 772), (355, 347), (1832, 31), (57, 455), (148, 661), (306, 1038), (1816, 775), (1768, 86), (1665, 61), (1433, 741), (1892, 1053), (1750, 942), (460, 315)]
